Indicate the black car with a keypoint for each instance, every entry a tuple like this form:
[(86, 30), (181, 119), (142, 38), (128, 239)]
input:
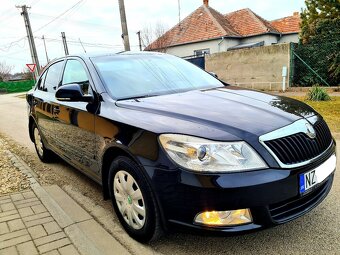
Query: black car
[(172, 145)]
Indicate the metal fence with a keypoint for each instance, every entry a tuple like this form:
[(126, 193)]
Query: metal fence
[(315, 64)]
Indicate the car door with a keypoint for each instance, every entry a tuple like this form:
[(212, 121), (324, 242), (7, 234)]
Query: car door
[(75, 120), (44, 101)]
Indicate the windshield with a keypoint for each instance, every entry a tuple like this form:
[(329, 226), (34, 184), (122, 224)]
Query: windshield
[(132, 76)]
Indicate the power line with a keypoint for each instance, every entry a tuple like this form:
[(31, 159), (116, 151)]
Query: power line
[(75, 21), (60, 15)]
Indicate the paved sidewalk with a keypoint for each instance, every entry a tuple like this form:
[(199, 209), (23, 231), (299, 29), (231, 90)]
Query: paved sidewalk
[(45, 220), (26, 227)]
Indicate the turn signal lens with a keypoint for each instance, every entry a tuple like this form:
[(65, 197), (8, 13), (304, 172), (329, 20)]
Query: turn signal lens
[(224, 218)]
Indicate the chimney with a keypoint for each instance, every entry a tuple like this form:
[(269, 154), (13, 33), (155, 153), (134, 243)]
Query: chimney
[(296, 13), (206, 2)]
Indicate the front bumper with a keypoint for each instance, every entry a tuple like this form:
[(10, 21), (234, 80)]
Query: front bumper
[(272, 195)]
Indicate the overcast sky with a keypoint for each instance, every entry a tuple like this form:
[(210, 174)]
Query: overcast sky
[(97, 23)]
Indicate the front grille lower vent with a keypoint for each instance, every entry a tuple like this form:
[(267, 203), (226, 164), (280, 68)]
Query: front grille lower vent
[(299, 147)]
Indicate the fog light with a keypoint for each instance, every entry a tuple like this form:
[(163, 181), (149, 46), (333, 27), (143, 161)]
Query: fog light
[(224, 218)]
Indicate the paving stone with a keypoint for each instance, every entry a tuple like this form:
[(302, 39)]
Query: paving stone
[(14, 241), (5, 201), (52, 227), (3, 228), (28, 204), (36, 216), (13, 234), (28, 194), (9, 251), (15, 225), (68, 250), (7, 207), (37, 231), (53, 245), (24, 212), (16, 197), (38, 209), (50, 238), (38, 222), (7, 213), (29, 200), (53, 252), (10, 217), (27, 248), (4, 198)]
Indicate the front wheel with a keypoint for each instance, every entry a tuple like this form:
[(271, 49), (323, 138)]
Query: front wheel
[(44, 154), (133, 200)]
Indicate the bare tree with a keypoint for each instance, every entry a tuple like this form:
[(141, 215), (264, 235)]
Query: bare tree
[(26, 74), (5, 71), (155, 37)]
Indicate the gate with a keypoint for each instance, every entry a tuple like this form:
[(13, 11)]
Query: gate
[(196, 60)]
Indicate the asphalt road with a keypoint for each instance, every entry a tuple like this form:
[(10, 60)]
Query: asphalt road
[(318, 232)]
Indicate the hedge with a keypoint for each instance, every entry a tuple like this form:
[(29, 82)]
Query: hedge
[(16, 86)]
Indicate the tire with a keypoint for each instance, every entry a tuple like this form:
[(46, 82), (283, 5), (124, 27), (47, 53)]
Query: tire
[(44, 154), (133, 200)]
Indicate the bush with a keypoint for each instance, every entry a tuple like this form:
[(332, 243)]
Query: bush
[(316, 93)]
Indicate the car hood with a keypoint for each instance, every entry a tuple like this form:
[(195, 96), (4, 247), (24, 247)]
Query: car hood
[(240, 112)]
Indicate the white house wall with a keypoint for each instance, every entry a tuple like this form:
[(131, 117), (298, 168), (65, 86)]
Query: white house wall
[(289, 38), (217, 46), (268, 39), (213, 45)]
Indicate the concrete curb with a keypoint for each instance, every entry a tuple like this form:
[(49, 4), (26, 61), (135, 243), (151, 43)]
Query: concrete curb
[(77, 230)]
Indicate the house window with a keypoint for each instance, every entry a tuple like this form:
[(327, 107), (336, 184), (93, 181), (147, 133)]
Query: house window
[(202, 52)]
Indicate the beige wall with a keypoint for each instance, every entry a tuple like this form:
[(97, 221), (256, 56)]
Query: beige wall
[(259, 68)]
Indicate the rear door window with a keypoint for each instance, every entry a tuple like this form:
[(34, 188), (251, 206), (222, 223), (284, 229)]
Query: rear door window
[(53, 77)]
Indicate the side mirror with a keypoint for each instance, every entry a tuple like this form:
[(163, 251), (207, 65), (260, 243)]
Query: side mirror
[(72, 93), (213, 74)]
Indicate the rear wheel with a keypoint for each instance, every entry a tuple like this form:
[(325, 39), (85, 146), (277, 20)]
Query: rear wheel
[(133, 200), (44, 154)]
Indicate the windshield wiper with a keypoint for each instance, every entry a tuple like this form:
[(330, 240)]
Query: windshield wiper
[(138, 97)]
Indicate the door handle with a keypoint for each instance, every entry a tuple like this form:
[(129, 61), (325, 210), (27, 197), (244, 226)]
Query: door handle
[(56, 110)]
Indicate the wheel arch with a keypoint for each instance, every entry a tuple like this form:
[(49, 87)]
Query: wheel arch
[(108, 157)]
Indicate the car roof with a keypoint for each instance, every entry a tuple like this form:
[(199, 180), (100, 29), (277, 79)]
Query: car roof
[(95, 55)]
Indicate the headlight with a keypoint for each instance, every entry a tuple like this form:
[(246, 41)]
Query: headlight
[(203, 155)]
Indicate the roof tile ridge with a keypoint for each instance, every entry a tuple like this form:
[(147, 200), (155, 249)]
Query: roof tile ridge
[(213, 19)]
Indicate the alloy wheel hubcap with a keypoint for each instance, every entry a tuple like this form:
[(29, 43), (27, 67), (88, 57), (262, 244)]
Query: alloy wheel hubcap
[(38, 142), (129, 199)]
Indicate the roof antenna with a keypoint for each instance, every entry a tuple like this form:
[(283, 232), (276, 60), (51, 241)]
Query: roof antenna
[(82, 45), (179, 13)]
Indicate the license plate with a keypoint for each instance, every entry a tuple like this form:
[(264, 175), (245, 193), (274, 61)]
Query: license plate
[(311, 178)]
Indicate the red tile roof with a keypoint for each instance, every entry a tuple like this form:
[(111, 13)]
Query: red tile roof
[(206, 23), (247, 23), (290, 24), (203, 24)]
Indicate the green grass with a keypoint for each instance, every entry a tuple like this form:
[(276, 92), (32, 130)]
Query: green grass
[(330, 110)]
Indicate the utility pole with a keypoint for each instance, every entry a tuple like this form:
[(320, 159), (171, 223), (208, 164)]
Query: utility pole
[(33, 50), (65, 43), (140, 41), (125, 34), (47, 60)]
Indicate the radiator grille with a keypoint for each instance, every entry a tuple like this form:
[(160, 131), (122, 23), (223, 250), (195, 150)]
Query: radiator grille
[(299, 147)]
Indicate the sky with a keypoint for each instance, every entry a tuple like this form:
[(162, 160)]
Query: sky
[(97, 23)]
